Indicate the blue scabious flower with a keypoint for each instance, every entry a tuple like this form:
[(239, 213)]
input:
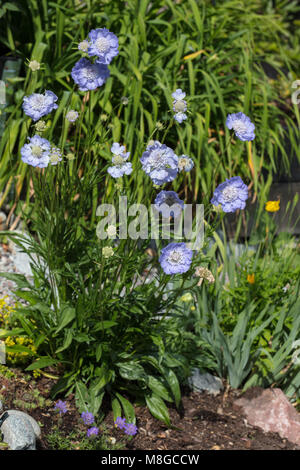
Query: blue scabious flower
[(160, 163), (92, 432), (232, 194), (179, 117), (36, 152), (55, 156), (185, 163), (38, 105), (103, 44), (61, 407), (178, 95), (120, 165), (88, 418), (242, 126), (130, 429), (176, 258), (89, 76), (167, 199), (179, 105)]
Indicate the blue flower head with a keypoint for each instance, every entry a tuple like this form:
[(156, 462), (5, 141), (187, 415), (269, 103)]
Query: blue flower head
[(185, 163), (89, 76), (178, 95), (92, 432), (130, 429), (103, 44), (160, 163), (120, 165), (167, 199), (120, 422), (176, 258), (232, 194), (36, 152), (242, 126), (38, 105), (179, 117), (61, 407), (179, 105), (88, 418)]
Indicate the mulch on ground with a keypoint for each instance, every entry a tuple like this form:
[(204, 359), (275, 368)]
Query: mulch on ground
[(204, 422)]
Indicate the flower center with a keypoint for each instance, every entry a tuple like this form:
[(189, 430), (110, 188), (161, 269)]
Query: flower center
[(38, 102), (118, 160), (90, 73), (183, 163), (170, 200), (230, 193), (158, 159), (37, 151), (175, 257), (179, 106), (102, 44), (239, 127)]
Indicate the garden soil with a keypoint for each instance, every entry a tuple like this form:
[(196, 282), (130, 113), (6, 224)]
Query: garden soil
[(204, 422)]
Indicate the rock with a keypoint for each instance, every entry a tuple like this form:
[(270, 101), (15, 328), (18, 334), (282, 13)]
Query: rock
[(20, 430), (205, 382), (270, 410)]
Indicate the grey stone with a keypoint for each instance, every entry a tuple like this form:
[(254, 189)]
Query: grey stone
[(205, 382), (20, 431)]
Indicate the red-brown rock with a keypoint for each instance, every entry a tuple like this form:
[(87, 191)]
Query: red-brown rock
[(270, 410)]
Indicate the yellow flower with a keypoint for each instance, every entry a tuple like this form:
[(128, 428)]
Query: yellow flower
[(251, 278), (272, 206)]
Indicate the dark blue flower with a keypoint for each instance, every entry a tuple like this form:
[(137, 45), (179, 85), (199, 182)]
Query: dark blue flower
[(92, 432), (120, 422), (88, 418), (130, 429), (61, 407)]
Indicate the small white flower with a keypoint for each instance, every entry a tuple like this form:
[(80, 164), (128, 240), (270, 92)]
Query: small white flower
[(71, 115), (111, 230), (84, 45), (107, 252), (34, 65)]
